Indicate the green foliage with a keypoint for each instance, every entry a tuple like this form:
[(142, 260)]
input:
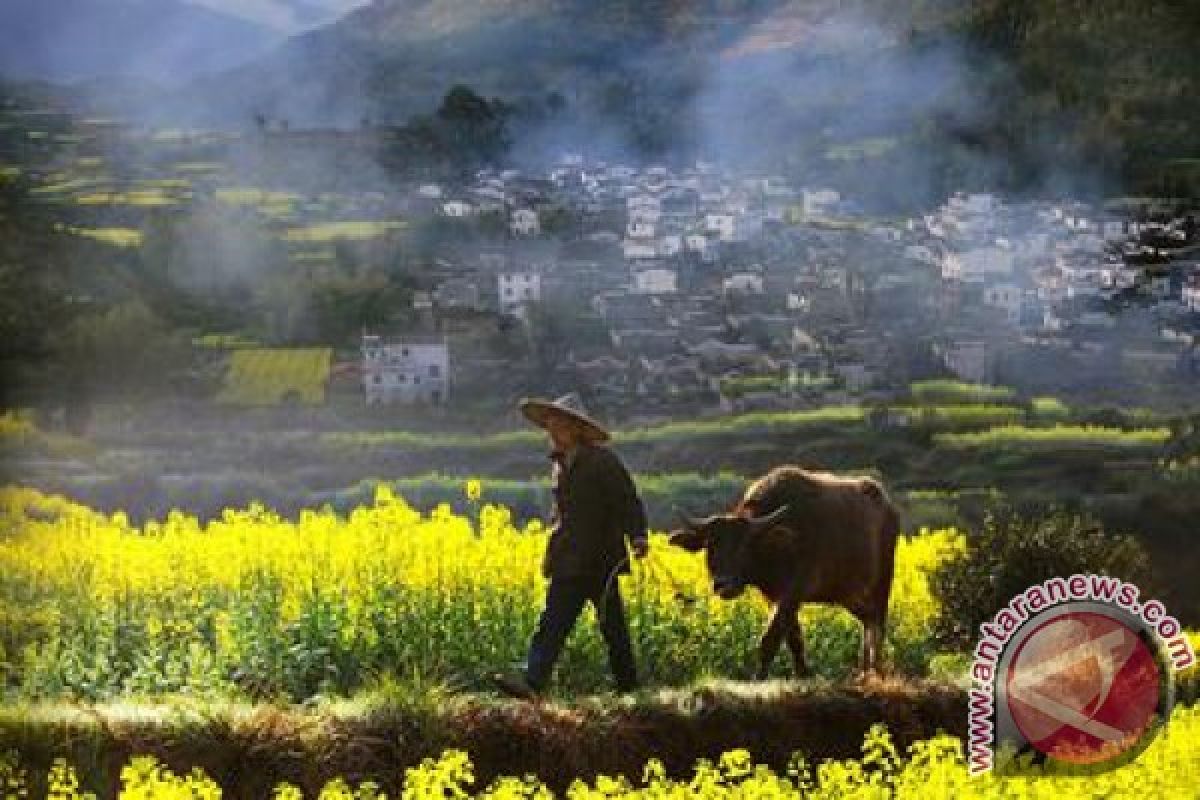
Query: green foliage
[(125, 348), (948, 392), (1014, 551), (957, 417), (837, 417), (1049, 408), (1021, 438), (467, 130)]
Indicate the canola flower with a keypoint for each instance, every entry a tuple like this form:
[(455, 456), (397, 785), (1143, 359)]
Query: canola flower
[(16, 427), (260, 376), (933, 769), (252, 604)]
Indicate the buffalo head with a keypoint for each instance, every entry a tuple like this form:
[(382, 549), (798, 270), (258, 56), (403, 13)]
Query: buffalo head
[(725, 538)]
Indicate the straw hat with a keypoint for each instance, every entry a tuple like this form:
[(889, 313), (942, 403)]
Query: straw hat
[(569, 406)]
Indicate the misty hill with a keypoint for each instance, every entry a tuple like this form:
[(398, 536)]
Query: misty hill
[(395, 58), (947, 90), (287, 16), (160, 40)]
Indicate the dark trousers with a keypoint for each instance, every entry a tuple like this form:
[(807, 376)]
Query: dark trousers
[(564, 603)]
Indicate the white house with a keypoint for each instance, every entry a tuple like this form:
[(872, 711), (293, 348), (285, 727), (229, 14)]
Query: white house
[(493, 194), (515, 290), (407, 371), (457, 208), (1086, 279), (657, 280), (1191, 294), (724, 226), (640, 228), (1126, 276), (1077, 222), (525, 222), (669, 246), (820, 201), (639, 249)]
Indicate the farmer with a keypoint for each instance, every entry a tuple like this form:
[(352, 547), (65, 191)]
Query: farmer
[(596, 507)]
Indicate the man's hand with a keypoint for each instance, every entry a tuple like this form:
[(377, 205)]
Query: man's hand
[(640, 547)]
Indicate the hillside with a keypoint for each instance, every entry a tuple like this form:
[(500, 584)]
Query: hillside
[(285, 16), (161, 40), (1022, 95)]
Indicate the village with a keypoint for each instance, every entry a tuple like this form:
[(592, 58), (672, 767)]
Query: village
[(657, 291), (697, 291)]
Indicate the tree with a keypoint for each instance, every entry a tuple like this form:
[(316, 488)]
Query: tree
[(1015, 550), (472, 128), (340, 309), (121, 350), (462, 106), (34, 290)]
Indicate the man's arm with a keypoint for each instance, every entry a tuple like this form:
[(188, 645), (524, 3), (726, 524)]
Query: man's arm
[(631, 512)]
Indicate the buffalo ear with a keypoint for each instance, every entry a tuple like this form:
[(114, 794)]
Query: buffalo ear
[(689, 539), (767, 521)]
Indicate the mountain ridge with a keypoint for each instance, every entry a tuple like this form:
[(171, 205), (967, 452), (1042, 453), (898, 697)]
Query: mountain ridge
[(1010, 93), (163, 40)]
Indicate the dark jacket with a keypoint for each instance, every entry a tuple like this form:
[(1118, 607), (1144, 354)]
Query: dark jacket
[(596, 507)]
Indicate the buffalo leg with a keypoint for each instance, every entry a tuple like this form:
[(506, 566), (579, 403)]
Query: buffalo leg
[(782, 621), (872, 644), (795, 642)]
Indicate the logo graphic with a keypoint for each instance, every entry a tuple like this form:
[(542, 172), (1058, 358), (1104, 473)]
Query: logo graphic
[(1083, 687), (1077, 673)]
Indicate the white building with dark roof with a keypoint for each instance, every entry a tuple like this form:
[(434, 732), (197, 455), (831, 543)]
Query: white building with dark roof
[(516, 290), (407, 371), (1191, 293)]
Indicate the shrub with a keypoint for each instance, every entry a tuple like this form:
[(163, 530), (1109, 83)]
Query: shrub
[(1012, 552)]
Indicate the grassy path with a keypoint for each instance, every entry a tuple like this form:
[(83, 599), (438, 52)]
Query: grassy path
[(250, 749)]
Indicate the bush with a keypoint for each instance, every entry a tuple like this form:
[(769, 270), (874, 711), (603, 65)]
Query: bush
[(1014, 551)]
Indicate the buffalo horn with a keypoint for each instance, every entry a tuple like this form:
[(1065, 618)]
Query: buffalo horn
[(767, 520), (689, 522)]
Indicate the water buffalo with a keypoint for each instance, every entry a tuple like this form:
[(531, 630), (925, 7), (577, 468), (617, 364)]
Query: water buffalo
[(802, 536)]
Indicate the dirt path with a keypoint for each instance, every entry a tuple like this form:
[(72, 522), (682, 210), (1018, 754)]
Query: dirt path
[(248, 750)]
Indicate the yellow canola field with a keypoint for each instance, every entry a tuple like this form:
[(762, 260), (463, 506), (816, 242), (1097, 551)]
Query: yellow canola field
[(94, 606), (270, 376)]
